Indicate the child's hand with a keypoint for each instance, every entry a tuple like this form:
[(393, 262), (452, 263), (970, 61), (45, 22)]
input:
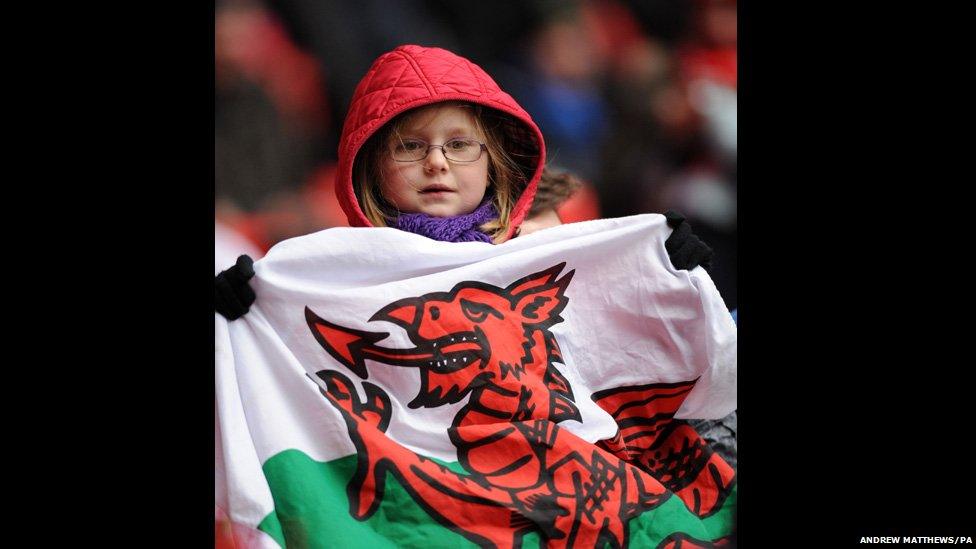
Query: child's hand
[(686, 250), (233, 296)]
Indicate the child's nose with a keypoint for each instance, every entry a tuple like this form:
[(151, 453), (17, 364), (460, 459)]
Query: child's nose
[(436, 160)]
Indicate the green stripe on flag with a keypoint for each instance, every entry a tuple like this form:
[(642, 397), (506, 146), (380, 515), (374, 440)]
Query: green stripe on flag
[(312, 510), (651, 527), (312, 507), (722, 523), (272, 527)]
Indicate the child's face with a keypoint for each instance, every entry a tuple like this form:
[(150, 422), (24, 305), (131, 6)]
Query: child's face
[(434, 185)]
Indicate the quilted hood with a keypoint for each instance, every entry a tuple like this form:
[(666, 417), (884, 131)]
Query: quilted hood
[(413, 76)]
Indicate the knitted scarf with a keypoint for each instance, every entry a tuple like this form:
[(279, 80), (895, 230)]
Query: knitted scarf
[(460, 228)]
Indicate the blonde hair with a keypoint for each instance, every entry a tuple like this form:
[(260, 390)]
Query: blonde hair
[(507, 177)]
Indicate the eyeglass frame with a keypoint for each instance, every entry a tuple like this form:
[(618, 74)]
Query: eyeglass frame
[(430, 146)]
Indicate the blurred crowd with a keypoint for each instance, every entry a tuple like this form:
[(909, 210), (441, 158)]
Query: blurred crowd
[(635, 97)]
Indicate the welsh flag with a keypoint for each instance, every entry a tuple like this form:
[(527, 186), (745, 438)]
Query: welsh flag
[(387, 390)]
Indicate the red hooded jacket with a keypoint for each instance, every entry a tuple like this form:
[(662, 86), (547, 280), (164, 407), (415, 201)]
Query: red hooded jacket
[(413, 76)]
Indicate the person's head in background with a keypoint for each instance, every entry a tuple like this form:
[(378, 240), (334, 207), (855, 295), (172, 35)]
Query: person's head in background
[(554, 189)]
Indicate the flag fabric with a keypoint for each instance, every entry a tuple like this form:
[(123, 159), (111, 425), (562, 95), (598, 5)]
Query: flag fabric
[(388, 390)]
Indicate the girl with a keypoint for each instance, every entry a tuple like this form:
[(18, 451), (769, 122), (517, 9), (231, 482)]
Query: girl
[(432, 145)]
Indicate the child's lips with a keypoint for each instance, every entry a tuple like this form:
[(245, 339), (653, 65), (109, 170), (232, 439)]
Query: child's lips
[(436, 189)]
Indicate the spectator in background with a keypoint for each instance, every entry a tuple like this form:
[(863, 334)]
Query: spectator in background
[(672, 144), (555, 188), (563, 92), (269, 110)]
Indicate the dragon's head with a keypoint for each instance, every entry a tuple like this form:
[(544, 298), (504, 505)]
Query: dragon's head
[(470, 336)]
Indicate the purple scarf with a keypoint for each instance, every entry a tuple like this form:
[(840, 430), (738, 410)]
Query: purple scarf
[(460, 228)]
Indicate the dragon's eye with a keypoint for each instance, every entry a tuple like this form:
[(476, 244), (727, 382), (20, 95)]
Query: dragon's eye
[(478, 312)]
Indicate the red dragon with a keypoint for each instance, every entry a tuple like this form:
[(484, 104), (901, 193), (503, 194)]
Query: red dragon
[(522, 472)]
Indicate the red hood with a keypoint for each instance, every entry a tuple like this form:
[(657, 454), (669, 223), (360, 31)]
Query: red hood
[(413, 76)]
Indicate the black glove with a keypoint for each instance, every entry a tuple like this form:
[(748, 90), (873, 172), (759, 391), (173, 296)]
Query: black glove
[(233, 296), (686, 250)]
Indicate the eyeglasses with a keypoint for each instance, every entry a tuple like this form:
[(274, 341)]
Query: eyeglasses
[(455, 150)]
